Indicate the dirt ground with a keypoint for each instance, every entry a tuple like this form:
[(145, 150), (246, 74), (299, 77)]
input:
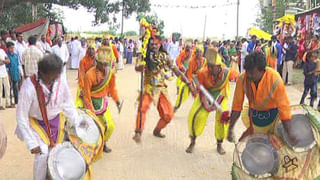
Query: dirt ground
[(153, 159)]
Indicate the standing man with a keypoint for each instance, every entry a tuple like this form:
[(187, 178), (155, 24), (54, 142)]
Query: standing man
[(87, 62), (62, 51), (215, 78), (155, 89), (183, 64), (30, 58), (75, 51), (44, 106), (44, 46), (267, 97), (83, 49), (4, 81), (20, 47), (252, 44), (173, 49), (276, 48), (244, 52), (291, 53), (99, 82), (14, 73)]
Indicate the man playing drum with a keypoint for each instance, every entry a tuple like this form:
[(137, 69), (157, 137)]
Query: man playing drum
[(44, 106), (266, 93), (215, 78), (99, 82)]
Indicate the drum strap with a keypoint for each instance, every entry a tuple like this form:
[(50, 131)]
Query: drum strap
[(43, 109)]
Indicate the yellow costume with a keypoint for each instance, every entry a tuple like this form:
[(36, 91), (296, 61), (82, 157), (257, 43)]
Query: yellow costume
[(97, 86), (219, 90)]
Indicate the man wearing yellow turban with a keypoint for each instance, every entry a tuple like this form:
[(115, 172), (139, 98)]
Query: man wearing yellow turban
[(99, 82), (214, 77)]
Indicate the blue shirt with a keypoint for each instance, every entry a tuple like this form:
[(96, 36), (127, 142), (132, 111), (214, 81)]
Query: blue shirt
[(13, 67), (291, 52), (279, 56), (309, 79), (251, 46)]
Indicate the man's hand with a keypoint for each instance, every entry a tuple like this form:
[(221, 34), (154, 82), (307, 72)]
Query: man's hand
[(36, 150), (288, 129)]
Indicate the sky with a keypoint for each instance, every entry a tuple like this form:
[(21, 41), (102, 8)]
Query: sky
[(221, 20)]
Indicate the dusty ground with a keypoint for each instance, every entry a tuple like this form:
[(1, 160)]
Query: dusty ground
[(154, 158)]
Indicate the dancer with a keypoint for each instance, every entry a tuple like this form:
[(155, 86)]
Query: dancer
[(215, 78)]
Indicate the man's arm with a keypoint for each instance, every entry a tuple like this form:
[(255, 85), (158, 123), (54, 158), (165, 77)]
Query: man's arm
[(26, 97), (237, 104), (87, 93)]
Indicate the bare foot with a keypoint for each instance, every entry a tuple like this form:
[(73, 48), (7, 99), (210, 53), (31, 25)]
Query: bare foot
[(157, 133), (190, 148), (220, 149), (137, 138), (106, 149)]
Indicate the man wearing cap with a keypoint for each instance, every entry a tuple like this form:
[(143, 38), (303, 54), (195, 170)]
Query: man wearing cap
[(115, 53), (156, 67), (215, 79), (266, 93), (99, 82), (182, 62)]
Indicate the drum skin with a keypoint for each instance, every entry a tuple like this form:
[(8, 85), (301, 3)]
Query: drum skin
[(3, 141), (259, 157), (294, 162), (66, 163), (301, 130)]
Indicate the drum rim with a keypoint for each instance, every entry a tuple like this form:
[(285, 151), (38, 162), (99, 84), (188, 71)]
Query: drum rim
[(279, 130), (51, 167), (274, 153), (74, 132)]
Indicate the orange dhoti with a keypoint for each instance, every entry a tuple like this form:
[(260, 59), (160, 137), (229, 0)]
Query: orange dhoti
[(164, 108)]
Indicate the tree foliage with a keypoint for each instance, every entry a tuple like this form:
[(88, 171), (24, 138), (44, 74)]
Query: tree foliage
[(21, 14), (150, 18), (102, 9), (265, 17), (130, 33)]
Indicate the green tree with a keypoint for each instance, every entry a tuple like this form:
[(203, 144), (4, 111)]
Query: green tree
[(21, 14), (265, 17), (150, 18), (130, 33), (101, 8)]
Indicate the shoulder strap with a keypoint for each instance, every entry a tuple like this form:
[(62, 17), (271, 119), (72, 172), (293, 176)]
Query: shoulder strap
[(43, 109)]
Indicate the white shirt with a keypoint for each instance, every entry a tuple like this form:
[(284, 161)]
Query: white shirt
[(243, 50), (62, 52), (44, 47), (28, 106), (83, 51), (3, 69), (139, 44), (19, 49), (173, 50)]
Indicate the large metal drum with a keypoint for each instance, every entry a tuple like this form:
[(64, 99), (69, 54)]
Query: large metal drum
[(90, 133), (302, 131), (259, 157), (66, 163)]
